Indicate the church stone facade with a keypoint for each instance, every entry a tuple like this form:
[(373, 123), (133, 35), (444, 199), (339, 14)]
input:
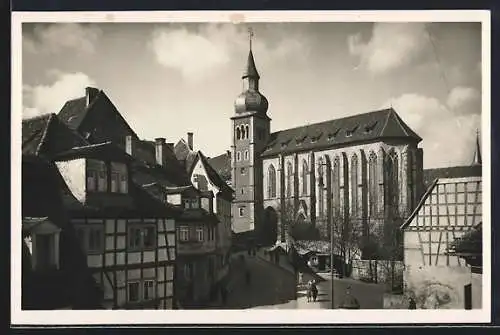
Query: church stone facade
[(367, 167)]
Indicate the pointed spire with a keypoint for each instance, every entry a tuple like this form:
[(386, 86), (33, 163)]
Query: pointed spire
[(251, 70), (477, 152)]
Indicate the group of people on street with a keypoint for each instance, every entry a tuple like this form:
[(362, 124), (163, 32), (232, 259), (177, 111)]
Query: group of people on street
[(312, 291)]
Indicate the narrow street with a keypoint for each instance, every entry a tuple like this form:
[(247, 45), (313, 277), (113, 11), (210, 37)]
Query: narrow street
[(369, 296), (270, 287)]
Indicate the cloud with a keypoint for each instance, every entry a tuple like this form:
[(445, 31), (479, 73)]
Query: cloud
[(56, 37), (391, 46), (448, 136), (464, 100), (44, 99), (198, 54)]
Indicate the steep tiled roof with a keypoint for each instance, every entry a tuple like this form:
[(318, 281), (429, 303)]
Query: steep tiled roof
[(47, 135), (214, 176), (73, 112), (172, 174), (222, 165), (429, 175), (377, 125), (105, 150), (184, 154)]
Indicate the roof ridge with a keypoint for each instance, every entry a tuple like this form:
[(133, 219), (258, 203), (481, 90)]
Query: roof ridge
[(398, 120), (36, 117), (44, 135), (331, 120)]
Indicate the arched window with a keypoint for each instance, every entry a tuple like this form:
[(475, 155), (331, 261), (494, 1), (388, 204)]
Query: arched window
[(238, 156), (354, 185), (289, 179), (321, 190), (243, 134), (246, 155), (372, 183), (247, 131), (304, 177), (321, 169), (271, 181), (393, 177), (238, 133), (336, 185)]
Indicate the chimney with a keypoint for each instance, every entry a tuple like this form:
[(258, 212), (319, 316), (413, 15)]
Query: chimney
[(160, 147), (190, 140), (90, 94), (129, 145)]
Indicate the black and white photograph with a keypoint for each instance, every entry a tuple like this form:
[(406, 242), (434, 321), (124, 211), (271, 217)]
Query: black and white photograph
[(296, 167)]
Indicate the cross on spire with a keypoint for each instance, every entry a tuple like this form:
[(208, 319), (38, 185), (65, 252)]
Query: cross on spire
[(250, 36)]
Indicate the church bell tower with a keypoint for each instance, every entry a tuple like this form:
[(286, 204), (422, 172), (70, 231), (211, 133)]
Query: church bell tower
[(250, 128)]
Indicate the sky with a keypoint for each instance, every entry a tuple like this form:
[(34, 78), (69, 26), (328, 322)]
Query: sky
[(170, 79)]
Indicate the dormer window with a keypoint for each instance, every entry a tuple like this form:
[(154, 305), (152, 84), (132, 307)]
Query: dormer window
[(119, 178), (350, 132), (300, 139), (333, 134), (316, 137), (284, 143), (42, 239), (97, 179), (369, 128)]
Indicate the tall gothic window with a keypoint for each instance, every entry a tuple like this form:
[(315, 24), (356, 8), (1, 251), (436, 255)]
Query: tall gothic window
[(321, 189), (238, 133), (393, 178), (304, 177), (354, 185), (372, 183), (243, 134), (271, 182), (336, 186), (247, 131), (289, 179)]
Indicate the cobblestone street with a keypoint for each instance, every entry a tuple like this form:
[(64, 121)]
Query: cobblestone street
[(271, 287)]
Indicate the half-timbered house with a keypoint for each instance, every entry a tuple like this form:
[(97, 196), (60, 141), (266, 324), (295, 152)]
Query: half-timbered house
[(55, 274), (206, 179), (450, 209), (128, 235)]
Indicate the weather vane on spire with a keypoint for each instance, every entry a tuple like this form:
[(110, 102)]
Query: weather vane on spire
[(250, 36)]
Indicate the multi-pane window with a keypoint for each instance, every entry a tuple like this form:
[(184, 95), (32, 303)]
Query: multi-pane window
[(304, 177), (91, 238), (149, 290), (143, 237), (133, 290), (183, 234), (271, 191), (119, 177), (372, 183), (199, 234), (97, 179)]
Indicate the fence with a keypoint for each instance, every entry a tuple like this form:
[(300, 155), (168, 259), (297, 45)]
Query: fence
[(385, 272)]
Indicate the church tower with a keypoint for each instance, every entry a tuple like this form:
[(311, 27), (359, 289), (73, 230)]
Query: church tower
[(251, 129)]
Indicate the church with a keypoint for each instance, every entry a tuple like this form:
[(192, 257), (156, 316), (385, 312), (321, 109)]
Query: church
[(365, 169)]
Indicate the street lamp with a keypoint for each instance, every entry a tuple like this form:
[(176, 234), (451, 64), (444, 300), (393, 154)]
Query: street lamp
[(332, 258)]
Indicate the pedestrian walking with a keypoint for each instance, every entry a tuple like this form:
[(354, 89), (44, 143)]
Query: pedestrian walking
[(314, 290), (412, 304), (309, 290)]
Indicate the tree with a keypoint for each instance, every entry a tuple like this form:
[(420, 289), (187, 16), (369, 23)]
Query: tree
[(346, 238), (297, 227)]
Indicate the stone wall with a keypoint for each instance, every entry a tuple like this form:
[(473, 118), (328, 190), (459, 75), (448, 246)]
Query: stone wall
[(381, 272), (442, 287)]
